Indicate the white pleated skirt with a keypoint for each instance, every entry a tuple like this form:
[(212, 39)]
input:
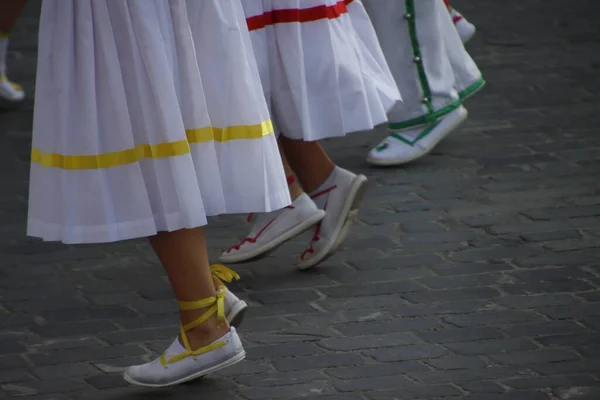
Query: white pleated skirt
[(140, 127), (322, 70), (430, 64)]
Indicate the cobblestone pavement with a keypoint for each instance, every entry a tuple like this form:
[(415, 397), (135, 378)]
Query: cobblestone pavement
[(473, 274)]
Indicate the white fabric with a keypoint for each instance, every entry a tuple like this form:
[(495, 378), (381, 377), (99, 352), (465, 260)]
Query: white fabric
[(115, 75), (448, 66), (323, 78)]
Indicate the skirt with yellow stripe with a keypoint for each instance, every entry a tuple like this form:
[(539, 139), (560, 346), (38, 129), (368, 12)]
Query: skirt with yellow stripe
[(142, 125)]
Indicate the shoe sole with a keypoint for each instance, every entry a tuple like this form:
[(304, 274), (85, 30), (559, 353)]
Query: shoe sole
[(228, 363), (448, 124), (350, 216), (271, 246), (236, 315)]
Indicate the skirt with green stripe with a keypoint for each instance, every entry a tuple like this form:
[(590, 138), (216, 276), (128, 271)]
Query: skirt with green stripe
[(429, 62)]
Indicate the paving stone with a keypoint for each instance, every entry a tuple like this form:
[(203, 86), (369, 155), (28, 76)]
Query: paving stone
[(493, 318), (11, 361), (64, 371), (543, 329), (463, 281), (413, 227), (542, 300), (54, 386), (516, 395), (321, 361), (393, 273), (339, 317), (563, 212), (569, 339), (550, 236), (14, 375), (289, 391), (589, 365), (482, 387), (535, 357), (344, 396), (249, 368), (494, 253), (569, 312), (565, 286), (368, 384), (383, 327), (373, 289), (541, 226), (87, 354), (492, 346), (578, 392), (354, 303), (66, 344), (297, 334), (281, 310), (375, 370), (550, 382), (460, 335), (283, 350), (285, 296), (457, 362), (281, 378), (592, 322), (450, 307), (406, 353), (453, 294), (11, 346), (102, 382), (468, 269), (550, 274), (368, 342), (572, 245), (417, 392), (74, 328), (260, 324), (470, 375), (88, 314), (593, 297), (559, 260)]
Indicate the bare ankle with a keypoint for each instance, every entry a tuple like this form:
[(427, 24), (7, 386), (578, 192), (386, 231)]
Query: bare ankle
[(206, 333)]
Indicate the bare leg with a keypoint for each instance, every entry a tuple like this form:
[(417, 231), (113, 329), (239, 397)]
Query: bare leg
[(295, 189), (183, 255), (309, 160), (9, 13)]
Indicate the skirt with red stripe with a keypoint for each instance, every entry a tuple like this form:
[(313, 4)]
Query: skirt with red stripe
[(321, 66)]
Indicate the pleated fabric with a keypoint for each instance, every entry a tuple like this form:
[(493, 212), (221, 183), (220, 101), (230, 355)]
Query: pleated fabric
[(141, 126), (321, 66)]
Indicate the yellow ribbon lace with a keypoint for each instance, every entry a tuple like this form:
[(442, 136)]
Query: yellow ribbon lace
[(222, 274), (215, 305), (15, 86)]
